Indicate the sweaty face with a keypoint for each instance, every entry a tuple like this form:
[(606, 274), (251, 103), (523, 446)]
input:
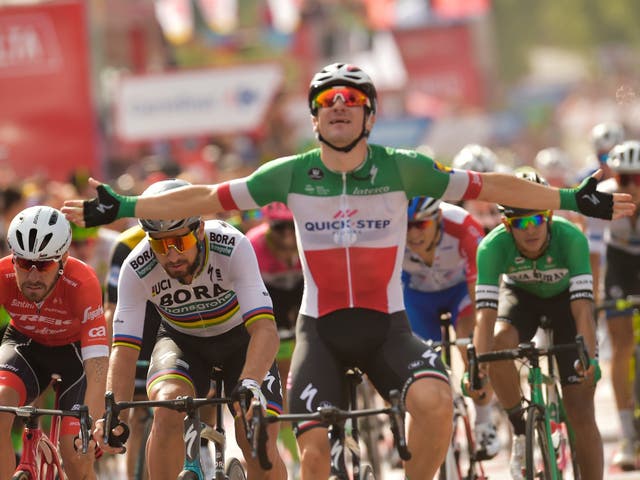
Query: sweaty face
[(339, 123), (36, 284), (421, 233), (177, 251), (531, 240)]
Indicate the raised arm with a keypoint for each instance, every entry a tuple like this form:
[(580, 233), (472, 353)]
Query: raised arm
[(509, 190), (108, 206)]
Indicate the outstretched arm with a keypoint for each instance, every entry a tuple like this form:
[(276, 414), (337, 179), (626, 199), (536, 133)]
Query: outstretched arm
[(108, 206), (509, 190)]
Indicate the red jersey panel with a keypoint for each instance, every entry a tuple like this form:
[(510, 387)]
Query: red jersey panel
[(71, 312)]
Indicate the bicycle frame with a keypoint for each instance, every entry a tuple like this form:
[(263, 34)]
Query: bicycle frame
[(40, 457), (536, 379), (335, 419)]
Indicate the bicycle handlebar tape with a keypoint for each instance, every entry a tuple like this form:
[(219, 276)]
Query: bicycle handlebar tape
[(476, 384)]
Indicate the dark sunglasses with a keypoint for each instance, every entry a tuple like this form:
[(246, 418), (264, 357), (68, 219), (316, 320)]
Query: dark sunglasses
[(625, 179), (523, 222), (281, 226), (40, 265), (181, 243)]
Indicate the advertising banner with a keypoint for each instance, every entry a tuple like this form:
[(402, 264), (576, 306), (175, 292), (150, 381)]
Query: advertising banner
[(194, 103), (47, 123)]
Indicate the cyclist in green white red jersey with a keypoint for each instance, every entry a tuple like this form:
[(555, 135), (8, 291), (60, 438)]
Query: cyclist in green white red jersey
[(545, 272), (57, 326), (349, 202)]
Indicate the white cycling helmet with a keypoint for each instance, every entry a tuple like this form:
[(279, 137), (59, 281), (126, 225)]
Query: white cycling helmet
[(39, 233), (607, 135), (342, 74), (526, 173), (625, 157), (552, 162), (166, 225), (475, 157)]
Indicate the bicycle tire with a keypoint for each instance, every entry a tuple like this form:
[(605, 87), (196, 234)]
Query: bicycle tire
[(21, 475), (367, 473), (537, 448), (460, 462), (235, 470), (187, 475), (370, 428)]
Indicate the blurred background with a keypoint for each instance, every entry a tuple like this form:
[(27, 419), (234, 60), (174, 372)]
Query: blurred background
[(133, 90)]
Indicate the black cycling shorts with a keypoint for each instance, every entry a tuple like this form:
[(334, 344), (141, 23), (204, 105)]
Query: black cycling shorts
[(34, 363), (525, 312), (381, 345), (177, 355), (622, 277)]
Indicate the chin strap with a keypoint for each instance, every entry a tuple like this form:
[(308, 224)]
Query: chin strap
[(347, 148)]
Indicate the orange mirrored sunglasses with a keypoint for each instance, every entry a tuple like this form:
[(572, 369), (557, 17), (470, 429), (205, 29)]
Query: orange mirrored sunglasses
[(181, 243), (351, 97)]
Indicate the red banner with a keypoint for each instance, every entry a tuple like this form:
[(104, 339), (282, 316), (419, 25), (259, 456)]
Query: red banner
[(442, 62), (47, 121)]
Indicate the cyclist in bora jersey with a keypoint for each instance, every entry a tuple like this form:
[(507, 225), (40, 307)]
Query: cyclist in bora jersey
[(57, 326), (621, 244), (349, 201), (439, 276), (203, 279), (545, 269)]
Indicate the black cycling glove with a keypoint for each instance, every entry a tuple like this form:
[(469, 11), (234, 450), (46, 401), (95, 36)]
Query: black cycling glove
[(587, 200), (107, 207)]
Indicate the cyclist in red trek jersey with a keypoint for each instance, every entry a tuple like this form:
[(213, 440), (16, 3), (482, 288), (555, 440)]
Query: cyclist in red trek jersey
[(57, 326), (349, 199)]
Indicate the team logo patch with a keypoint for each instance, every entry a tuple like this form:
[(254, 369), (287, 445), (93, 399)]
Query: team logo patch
[(315, 173), (441, 167)]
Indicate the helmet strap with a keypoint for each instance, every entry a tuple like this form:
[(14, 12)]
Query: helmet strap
[(364, 133), (436, 238)]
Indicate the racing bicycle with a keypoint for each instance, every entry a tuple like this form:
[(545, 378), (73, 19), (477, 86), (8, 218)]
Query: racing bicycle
[(549, 444), (40, 456)]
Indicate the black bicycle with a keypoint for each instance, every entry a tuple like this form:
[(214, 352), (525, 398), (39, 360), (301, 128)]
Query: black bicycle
[(344, 440), (194, 430)]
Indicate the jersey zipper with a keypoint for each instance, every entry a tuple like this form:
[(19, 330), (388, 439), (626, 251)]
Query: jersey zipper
[(345, 236)]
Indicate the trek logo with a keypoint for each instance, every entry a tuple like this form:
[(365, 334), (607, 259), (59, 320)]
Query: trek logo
[(102, 208), (592, 197)]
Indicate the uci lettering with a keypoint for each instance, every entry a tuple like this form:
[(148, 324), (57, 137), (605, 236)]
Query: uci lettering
[(164, 284), (140, 260), (200, 292), (222, 238)]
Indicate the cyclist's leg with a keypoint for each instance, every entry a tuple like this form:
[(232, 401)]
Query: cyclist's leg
[(621, 280), (578, 398), (172, 373), (404, 363), (316, 377), (18, 386)]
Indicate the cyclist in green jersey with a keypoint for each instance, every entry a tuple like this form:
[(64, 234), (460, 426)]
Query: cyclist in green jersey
[(545, 269), (348, 199)]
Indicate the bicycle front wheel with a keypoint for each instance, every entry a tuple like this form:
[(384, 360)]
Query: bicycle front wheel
[(235, 470), (537, 450)]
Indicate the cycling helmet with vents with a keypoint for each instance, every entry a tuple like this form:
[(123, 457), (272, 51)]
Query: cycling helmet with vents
[(625, 157), (277, 211), (605, 136), (475, 157), (39, 233), (421, 208), (341, 74), (525, 173), (553, 162), (167, 225)]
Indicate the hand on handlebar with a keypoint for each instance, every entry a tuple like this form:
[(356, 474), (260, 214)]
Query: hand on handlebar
[(592, 375), (246, 389), (468, 390), (116, 438)]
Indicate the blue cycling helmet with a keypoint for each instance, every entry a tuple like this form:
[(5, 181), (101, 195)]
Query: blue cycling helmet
[(422, 207)]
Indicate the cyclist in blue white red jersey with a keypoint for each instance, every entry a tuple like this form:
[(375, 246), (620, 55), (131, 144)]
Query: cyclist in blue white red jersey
[(349, 201), (439, 276)]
